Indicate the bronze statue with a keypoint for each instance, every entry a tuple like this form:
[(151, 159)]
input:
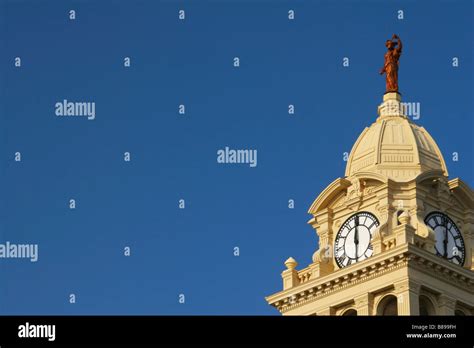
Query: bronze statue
[(390, 67)]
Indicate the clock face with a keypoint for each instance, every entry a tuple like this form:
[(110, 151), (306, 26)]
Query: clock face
[(352, 242), (449, 242)]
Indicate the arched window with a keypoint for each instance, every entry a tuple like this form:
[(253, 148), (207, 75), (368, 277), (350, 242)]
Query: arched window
[(349, 313), (388, 306), (400, 212), (426, 306)]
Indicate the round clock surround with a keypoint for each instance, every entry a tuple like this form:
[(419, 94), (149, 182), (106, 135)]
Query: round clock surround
[(449, 242), (353, 240)]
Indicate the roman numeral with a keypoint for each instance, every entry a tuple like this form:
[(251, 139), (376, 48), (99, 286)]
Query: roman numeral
[(369, 249), (342, 260), (458, 259), (344, 232)]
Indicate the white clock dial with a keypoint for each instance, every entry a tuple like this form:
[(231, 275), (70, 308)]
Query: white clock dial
[(449, 242), (353, 241)]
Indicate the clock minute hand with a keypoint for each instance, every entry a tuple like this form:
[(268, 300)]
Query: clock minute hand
[(356, 238), (445, 242)]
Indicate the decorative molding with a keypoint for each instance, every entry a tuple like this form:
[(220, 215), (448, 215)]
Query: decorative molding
[(407, 256)]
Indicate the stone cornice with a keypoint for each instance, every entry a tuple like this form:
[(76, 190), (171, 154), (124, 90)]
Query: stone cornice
[(403, 256), (443, 270)]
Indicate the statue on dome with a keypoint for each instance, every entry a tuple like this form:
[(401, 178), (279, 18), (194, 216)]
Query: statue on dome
[(390, 67)]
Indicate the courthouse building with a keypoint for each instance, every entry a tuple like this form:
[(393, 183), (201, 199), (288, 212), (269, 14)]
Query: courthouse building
[(396, 235)]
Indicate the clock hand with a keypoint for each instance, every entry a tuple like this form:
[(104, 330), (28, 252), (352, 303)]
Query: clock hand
[(445, 242), (356, 237)]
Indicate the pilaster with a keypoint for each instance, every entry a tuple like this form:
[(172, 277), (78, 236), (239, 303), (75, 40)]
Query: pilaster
[(408, 294)]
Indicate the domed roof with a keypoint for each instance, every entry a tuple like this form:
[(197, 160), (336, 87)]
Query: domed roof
[(394, 146)]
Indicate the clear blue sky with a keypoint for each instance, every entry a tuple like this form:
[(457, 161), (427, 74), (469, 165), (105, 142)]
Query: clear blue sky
[(135, 204)]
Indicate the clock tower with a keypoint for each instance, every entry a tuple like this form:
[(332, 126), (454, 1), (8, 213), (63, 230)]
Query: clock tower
[(396, 235)]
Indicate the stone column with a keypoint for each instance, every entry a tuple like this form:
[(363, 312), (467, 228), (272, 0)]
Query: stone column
[(408, 295), (469, 240), (326, 311), (446, 305), (364, 304)]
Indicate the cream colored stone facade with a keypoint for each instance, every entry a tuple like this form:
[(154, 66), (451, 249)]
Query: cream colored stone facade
[(397, 173)]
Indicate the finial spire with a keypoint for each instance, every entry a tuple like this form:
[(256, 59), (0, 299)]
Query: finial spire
[(291, 263)]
